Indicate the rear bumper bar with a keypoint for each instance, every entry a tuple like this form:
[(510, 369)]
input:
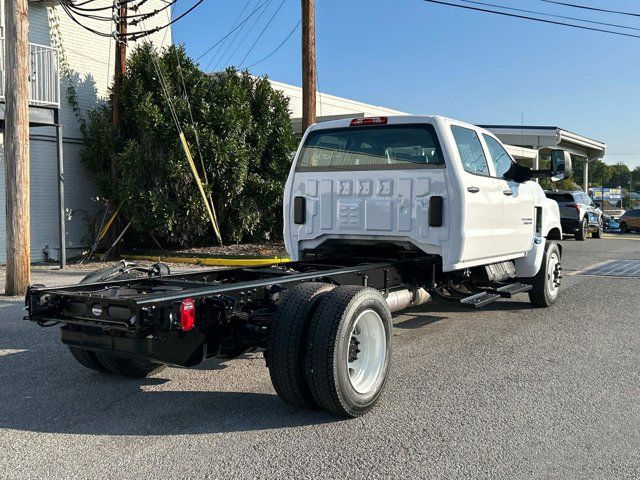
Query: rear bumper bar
[(185, 350)]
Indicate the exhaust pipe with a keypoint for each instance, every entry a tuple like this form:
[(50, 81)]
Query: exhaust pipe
[(407, 298)]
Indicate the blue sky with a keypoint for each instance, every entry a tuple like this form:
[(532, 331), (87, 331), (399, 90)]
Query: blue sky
[(424, 58)]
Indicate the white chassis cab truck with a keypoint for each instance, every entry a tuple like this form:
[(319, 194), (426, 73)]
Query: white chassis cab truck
[(380, 214)]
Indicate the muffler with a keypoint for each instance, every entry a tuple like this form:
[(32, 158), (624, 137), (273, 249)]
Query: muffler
[(407, 298)]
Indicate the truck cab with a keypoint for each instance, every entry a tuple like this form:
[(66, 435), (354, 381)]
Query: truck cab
[(428, 183)]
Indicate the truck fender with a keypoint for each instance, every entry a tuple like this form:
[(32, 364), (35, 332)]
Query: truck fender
[(528, 266)]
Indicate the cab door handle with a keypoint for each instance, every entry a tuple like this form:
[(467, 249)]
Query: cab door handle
[(508, 193), (473, 189)]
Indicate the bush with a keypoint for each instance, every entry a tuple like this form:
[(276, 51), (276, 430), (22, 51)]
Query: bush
[(244, 147)]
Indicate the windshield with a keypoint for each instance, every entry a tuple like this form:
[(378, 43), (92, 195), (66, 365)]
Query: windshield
[(368, 148)]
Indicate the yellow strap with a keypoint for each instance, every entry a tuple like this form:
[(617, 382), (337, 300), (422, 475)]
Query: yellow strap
[(187, 152), (105, 229)]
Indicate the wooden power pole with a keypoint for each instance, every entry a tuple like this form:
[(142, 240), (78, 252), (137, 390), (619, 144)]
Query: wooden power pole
[(16, 144), (119, 72), (309, 86)]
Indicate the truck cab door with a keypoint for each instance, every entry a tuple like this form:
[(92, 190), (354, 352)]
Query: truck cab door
[(518, 207), (484, 237)]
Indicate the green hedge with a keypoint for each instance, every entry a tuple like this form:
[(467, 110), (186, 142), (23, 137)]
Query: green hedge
[(244, 136)]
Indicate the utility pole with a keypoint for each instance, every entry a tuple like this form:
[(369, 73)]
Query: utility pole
[(16, 144), (308, 64), (119, 72)]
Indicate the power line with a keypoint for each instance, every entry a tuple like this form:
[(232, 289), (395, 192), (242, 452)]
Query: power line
[(262, 33), (278, 47), (550, 15), (596, 9), (225, 60), (233, 39), (131, 35), (179, 17), (231, 31), (524, 17)]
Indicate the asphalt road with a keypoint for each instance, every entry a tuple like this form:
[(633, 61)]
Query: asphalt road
[(505, 392)]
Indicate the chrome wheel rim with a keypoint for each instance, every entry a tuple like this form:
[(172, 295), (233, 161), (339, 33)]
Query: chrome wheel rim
[(367, 351), (553, 274)]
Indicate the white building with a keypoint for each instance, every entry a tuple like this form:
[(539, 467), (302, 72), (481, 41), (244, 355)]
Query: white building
[(63, 54), (329, 107)]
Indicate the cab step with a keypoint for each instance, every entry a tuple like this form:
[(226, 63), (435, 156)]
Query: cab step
[(480, 299), (507, 291)]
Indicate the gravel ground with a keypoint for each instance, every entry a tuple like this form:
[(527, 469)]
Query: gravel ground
[(505, 392)]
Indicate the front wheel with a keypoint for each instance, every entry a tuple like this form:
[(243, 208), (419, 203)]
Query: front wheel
[(546, 283), (624, 228), (349, 350), (598, 232)]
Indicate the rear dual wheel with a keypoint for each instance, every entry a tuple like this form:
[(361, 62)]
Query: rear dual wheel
[(338, 351)]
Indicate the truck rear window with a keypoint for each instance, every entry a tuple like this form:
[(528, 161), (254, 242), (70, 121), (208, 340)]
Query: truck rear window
[(371, 148)]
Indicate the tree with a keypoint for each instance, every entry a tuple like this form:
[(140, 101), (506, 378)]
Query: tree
[(240, 134)]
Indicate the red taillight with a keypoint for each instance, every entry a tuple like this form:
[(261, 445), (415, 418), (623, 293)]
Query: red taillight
[(356, 122), (573, 205), (187, 314)]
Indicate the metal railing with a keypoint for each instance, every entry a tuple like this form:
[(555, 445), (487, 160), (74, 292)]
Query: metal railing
[(44, 75)]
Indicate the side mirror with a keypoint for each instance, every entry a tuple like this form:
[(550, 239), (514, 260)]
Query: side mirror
[(561, 165)]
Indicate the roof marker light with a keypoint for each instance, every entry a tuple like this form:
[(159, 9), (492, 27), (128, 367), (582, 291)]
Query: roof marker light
[(356, 122)]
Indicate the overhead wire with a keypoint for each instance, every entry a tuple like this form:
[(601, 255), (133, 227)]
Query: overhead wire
[(261, 33), (230, 32), (219, 49), (73, 14), (224, 60), (535, 19), (513, 9), (589, 7), (293, 30)]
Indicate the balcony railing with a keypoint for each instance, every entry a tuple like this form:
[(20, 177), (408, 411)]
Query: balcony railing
[(44, 75)]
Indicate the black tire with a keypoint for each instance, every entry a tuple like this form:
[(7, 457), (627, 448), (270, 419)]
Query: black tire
[(130, 367), (543, 294), (583, 230), (88, 359), (624, 228), (598, 232), (329, 349), (287, 342)]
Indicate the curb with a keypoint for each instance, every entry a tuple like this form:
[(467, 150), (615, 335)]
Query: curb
[(211, 261)]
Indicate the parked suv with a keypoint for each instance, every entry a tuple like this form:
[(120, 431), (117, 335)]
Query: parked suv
[(579, 215), (630, 221)]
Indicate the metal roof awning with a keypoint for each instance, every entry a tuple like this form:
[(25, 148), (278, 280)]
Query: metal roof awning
[(535, 137)]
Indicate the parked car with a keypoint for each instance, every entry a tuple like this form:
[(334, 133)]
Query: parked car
[(630, 221), (579, 214), (610, 222)]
